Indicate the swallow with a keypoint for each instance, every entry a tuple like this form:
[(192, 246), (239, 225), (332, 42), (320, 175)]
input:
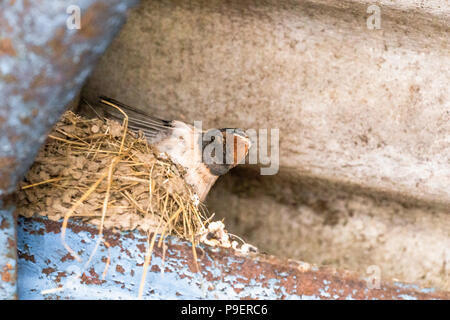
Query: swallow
[(205, 155)]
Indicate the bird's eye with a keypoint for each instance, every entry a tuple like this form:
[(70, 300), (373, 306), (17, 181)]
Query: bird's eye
[(213, 138)]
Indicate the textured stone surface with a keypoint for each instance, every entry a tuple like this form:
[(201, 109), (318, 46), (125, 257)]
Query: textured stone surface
[(359, 106), (309, 221)]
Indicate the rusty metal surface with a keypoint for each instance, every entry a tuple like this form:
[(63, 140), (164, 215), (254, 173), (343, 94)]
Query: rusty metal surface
[(43, 64), (45, 265), (8, 253)]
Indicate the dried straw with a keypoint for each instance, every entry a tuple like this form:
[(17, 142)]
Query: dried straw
[(101, 172)]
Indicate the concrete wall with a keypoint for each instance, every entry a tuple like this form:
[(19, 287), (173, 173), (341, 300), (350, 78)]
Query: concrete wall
[(369, 107), (312, 220), (362, 111)]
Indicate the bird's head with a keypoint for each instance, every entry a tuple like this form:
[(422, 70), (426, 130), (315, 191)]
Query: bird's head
[(232, 143)]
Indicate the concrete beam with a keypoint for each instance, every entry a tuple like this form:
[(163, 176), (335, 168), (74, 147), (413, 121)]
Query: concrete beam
[(45, 57), (360, 107)]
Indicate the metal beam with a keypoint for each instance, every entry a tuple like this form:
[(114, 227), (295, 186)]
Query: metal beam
[(45, 57), (44, 265)]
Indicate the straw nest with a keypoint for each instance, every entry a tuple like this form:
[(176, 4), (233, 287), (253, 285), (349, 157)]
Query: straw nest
[(97, 170)]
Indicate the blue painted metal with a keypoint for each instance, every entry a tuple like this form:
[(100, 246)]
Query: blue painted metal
[(44, 264), (8, 254), (43, 64)]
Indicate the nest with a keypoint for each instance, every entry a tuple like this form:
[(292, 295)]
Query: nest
[(101, 172)]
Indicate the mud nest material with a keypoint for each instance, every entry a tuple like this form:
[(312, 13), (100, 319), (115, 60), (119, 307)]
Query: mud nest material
[(99, 171)]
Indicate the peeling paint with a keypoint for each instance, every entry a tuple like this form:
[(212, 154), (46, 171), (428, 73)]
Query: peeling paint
[(42, 67), (45, 65), (224, 274)]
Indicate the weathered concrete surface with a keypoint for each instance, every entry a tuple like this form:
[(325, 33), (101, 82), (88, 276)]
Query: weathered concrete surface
[(44, 265), (369, 108), (313, 221), (43, 64)]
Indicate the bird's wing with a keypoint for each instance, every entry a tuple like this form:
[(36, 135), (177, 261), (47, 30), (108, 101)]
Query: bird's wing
[(151, 126)]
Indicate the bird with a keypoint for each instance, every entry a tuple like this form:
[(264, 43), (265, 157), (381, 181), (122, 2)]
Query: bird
[(205, 155)]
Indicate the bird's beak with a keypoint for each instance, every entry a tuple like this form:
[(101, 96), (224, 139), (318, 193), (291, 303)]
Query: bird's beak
[(241, 146)]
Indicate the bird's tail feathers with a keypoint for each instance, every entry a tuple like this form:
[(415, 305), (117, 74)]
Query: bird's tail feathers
[(137, 119)]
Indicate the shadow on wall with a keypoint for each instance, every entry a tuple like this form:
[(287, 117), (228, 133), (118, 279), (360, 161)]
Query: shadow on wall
[(329, 224)]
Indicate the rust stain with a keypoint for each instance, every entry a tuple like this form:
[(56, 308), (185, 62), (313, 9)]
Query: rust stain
[(48, 270), (122, 285), (56, 44), (6, 276), (93, 273), (91, 280), (39, 81), (51, 228), (7, 48), (4, 224), (11, 243), (8, 78), (155, 268), (120, 269), (141, 247), (90, 27), (25, 120), (60, 275), (7, 165), (26, 256), (38, 50)]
